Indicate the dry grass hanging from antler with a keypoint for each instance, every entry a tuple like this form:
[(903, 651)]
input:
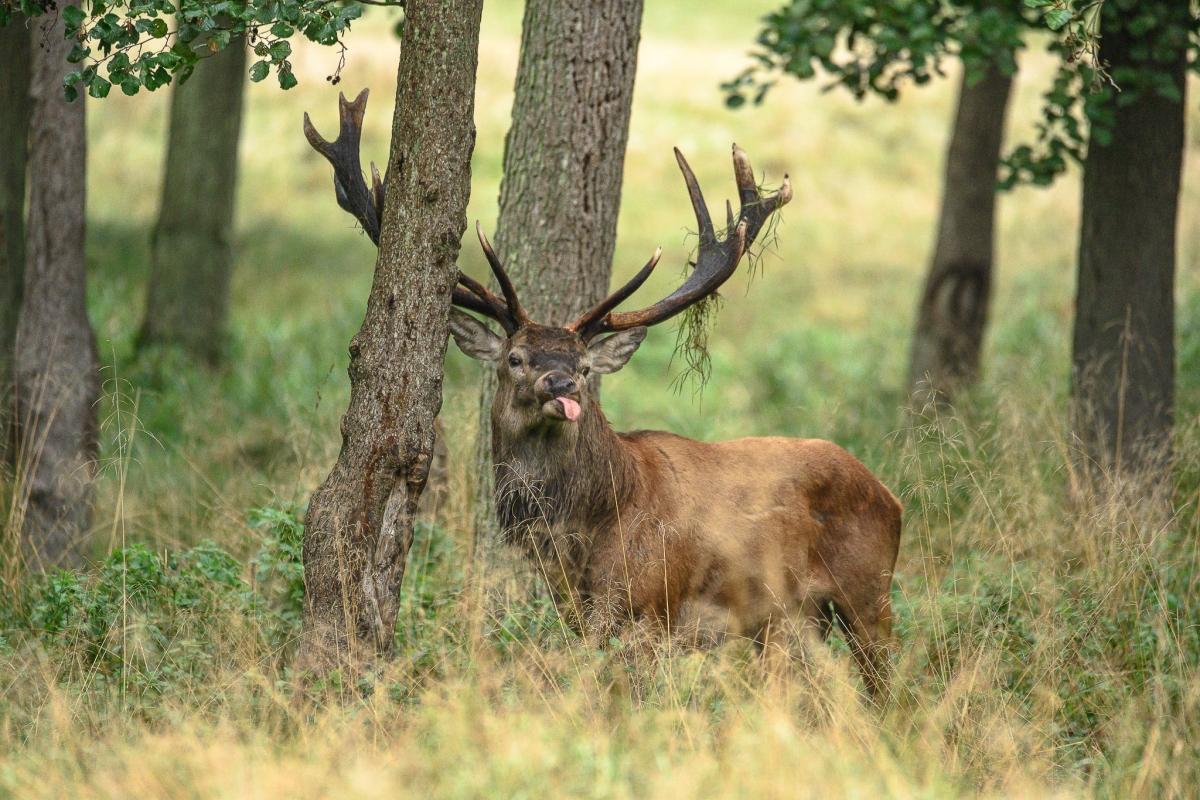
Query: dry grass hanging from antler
[(696, 323)]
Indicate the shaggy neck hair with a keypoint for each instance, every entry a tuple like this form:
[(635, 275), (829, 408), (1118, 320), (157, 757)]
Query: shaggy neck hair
[(559, 485)]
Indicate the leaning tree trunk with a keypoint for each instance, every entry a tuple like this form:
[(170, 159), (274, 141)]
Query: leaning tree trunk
[(14, 137), (191, 258), (57, 370), (1123, 376), (954, 304), (360, 521), (564, 159)]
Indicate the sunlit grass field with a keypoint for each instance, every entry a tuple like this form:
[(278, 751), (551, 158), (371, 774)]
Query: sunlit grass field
[(1048, 632)]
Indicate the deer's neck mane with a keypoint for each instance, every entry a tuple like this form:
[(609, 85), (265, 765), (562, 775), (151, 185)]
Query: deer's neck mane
[(558, 485)]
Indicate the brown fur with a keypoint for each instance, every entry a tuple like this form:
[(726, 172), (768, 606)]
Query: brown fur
[(701, 541)]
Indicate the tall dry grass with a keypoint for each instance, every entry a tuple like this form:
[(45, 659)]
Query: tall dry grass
[(1047, 639)]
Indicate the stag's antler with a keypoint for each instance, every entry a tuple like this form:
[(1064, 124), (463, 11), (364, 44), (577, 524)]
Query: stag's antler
[(366, 205), (716, 260), (516, 315)]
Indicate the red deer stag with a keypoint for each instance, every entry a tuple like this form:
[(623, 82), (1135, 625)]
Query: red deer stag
[(695, 540)]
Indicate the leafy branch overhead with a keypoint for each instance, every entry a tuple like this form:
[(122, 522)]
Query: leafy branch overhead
[(876, 47), (135, 44)]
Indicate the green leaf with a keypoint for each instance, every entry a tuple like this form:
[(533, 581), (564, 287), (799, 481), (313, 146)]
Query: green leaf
[(69, 90), (130, 86), (99, 87), (219, 40), (158, 28), (259, 71), (282, 30), (280, 50), (1038, 3), (286, 79), (73, 15), (1057, 18)]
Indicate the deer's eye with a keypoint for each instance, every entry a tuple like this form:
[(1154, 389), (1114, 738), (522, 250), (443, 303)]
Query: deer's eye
[(514, 361), (586, 370)]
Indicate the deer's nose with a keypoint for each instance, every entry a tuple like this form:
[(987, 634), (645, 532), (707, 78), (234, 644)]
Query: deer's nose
[(558, 383)]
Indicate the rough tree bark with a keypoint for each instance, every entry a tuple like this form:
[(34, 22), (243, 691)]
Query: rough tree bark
[(57, 377), (953, 310), (14, 138), (191, 258), (359, 525), (564, 160), (1123, 377)]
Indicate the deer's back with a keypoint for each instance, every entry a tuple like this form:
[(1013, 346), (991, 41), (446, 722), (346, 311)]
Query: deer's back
[(751, 522)]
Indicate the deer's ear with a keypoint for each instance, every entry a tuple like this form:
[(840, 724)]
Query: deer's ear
[(610, 354), (473, 337)]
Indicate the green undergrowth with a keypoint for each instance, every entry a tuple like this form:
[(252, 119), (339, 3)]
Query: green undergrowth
[(146, 624), (1040, 637)]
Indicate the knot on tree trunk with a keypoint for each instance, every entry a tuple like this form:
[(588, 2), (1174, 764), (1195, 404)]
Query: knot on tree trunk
[(949, 335)]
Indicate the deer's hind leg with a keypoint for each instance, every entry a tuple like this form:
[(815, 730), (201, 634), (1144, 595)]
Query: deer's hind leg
[(860, 560)]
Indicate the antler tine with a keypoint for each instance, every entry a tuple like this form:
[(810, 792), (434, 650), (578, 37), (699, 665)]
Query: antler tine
[(366, 204), (756, 209), (506, 285), (707, 234), (474, 296), (583, 326), (716, 260), (490, 306)]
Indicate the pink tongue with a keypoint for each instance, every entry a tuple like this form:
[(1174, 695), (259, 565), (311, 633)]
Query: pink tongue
[(569, 407)]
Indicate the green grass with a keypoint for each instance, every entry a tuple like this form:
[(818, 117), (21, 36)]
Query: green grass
[(1047, 638)]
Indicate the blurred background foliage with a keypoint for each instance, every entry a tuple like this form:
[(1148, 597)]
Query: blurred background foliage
[(813, 343)]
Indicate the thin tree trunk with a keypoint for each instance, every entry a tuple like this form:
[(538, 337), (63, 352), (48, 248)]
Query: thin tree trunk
[(360, 521), (191, 259), (954, 304), (564, 159), (14, 138), (1123, 377), (57, 373)]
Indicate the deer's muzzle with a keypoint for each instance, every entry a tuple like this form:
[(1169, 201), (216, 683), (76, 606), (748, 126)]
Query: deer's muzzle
[(561, 392)]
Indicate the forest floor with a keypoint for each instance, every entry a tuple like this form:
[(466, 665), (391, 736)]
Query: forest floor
[(1048, 629)]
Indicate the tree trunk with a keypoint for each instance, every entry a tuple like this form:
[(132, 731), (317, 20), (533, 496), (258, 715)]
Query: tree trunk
[(191, 259), (14, 138), (1123, 376), (359, 525), (954, 304), (57, 377), (564, 159)]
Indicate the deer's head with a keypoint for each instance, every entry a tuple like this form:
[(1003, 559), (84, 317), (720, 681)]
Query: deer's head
[(543, 370)]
